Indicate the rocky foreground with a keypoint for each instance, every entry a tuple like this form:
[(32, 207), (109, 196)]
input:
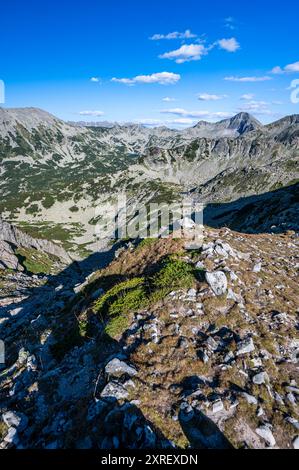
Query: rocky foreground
[(164, 347)]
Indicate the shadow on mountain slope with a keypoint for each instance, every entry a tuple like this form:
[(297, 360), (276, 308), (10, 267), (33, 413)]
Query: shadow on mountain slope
[(54, 379), (273, 212), (202, 432), (56, 391), (58, 284)]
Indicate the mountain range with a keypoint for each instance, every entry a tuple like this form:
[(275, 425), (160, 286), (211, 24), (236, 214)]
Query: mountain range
[(49, 168)]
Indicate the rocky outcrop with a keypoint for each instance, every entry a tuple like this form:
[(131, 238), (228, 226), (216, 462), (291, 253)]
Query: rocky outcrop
[(11, 236), (8, 259)]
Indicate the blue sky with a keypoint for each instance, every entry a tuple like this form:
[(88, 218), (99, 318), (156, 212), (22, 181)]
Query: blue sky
[(119, 61)]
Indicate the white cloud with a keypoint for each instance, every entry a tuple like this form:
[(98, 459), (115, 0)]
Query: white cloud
[(149, 122), (247, 96), (247, 79), (277, 70), (256, 107), (230, 23), (168, 122), (163, 78), (230, 45), (168, 99), (208, 97), (125, 81), (95, 79), (183, 121), (191, 52), (186, 53), (196, 114), (175, 35), (91, 113), (290, 68)]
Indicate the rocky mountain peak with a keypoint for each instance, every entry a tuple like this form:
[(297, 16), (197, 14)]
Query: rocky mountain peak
[(29, 117), (242, 123)]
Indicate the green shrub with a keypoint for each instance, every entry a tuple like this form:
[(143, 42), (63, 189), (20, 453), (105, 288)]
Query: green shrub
[(48, 201), (175, 274), (131, 300), (116, 326), (117, 296), (119, 301), (33, 209), (139, 292)]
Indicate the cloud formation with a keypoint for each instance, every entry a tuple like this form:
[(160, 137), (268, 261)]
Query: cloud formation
[(248, 79), (256, 107), (175, 35), (191, 52), (247, 96), (196, 114), (230, 23), (91, 113), (168, 122), (162, 78), (229, 45), (290, 68), (168, 99), (95, 79), (208, 97), (186, 53)]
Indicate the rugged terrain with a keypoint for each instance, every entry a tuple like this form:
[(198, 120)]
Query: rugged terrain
[(148, 343), (49, 168), (163, 347)]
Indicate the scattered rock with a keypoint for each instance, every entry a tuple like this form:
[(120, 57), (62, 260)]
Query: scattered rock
[(217, 281), (251, 400), (257, 268), (117, 368), (12, 436), (115, 390), (245, 347), (16, 420), (260, 378), (200, 265), (217, 406), (265, 433)]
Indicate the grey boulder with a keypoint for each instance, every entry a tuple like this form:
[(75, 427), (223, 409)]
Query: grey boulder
[(217, 281)]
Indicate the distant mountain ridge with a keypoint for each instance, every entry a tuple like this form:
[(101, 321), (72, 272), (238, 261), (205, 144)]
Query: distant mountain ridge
[(235, 126), (49, 167)]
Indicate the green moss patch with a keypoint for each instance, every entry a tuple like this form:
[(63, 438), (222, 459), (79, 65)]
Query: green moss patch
[(36, 262)]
